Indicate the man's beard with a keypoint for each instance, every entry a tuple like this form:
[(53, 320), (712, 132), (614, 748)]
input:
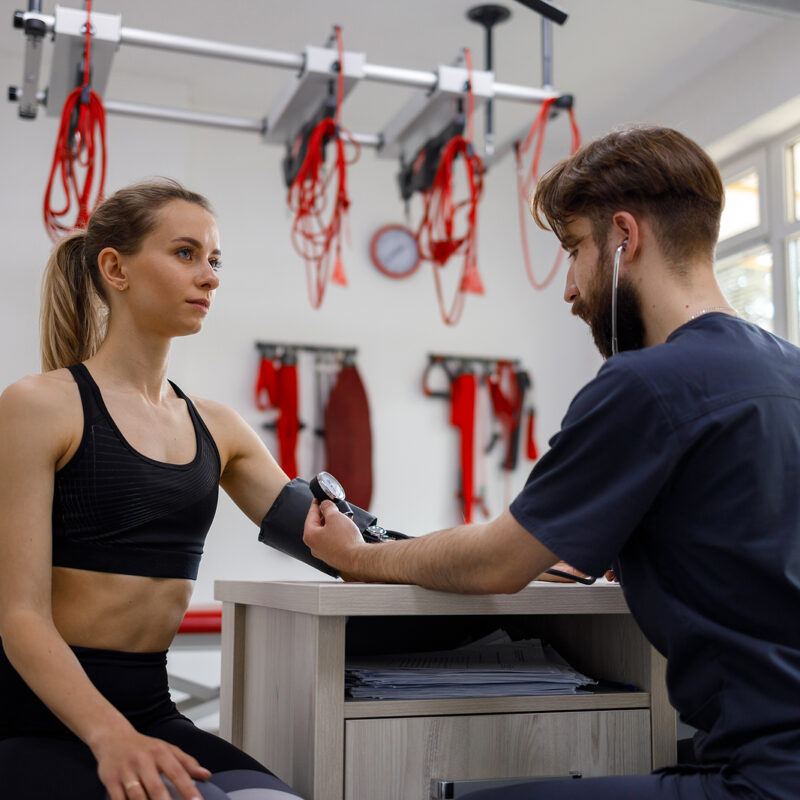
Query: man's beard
[(595, 309)]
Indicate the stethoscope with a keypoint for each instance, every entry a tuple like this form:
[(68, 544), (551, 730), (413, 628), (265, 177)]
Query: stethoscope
[(614, 287)]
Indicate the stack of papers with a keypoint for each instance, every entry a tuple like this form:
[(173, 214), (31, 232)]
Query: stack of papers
[(494, 666)]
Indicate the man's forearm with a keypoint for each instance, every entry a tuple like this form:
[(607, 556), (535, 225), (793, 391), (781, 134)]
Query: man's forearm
[(493, 557), (457, 559)]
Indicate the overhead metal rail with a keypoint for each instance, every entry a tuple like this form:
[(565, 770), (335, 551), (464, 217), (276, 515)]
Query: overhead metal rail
[(314, 68)]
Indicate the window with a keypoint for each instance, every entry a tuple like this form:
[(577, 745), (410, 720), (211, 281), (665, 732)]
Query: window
[(794, 183), (758, 254), (746, 280), (741, 212), (794, 271)]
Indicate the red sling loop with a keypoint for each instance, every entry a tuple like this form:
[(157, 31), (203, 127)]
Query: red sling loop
[(462, 416), (82, 129), (526, 183), (436, 238)]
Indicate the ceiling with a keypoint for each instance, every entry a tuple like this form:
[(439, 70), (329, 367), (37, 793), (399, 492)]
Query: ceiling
[(614, 56)]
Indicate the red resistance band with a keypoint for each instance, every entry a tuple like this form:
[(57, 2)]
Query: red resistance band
[(435, 237), (313, 236), (82, 129), (525, 185), (462, 415), (278, 388), (508, 408)]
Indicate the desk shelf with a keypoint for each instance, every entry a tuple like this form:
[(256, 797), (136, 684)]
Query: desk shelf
[(282, 692)]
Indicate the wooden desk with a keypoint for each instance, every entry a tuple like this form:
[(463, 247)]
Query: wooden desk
[(282, 692)]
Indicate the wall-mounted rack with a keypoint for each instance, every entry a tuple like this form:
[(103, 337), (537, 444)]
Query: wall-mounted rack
[(456, 359), (289, 350), (455, 364)]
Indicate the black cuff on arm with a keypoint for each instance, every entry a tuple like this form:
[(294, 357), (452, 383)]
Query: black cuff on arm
[(282, 526)]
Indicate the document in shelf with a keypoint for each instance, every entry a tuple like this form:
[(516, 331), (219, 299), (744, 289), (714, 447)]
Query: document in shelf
[(494, 666)]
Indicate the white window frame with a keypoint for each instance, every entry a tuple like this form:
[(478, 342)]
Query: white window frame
[(770, 160)]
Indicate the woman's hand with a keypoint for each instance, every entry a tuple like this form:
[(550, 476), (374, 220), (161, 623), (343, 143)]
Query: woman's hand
[(131, 767)]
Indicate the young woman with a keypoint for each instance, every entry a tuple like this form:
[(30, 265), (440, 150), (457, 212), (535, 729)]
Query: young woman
[(108, 484)]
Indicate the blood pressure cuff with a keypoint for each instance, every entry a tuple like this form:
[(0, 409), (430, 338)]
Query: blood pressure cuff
[(282, 526)]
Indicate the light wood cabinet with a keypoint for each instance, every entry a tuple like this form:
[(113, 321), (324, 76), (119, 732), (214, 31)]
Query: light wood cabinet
[(282, 693)]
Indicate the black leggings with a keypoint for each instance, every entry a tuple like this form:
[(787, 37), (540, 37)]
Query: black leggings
[(40, 757)]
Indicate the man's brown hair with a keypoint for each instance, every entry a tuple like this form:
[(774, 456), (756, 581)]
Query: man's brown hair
[(654, 172)]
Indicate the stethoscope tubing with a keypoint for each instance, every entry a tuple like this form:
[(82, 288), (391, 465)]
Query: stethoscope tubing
[(614, 286)]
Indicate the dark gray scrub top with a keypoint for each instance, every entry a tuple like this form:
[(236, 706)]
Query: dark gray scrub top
[(679, 464)]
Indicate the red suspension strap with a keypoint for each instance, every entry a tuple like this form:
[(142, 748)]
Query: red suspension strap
[(507, 406), (276, 386), (462, 416), (316, 238), (81, 137), (525, 185), (435, 237)]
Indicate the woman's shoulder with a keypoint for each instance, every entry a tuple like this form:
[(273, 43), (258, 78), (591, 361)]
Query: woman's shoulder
[(214, 411), (233, 435), (223, 422), (35, 393), (42, 408)]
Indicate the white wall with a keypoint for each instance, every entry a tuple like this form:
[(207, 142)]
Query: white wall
[(394, 324)]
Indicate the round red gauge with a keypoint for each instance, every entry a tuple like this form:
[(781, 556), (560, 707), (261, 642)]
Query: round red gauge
[(394, 251)]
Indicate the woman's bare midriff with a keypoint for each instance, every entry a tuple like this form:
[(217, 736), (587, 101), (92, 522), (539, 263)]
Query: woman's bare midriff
[(130, 613)]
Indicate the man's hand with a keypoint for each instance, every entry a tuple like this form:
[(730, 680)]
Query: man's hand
[(561, 566), (332, 537)]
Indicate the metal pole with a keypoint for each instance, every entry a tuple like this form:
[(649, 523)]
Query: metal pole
[(210, 120), (547, 53), (488, 144), (206, 47), (488, 16), (367, 139), (403, 77), (179, 115), (523, 94), (48, 20)]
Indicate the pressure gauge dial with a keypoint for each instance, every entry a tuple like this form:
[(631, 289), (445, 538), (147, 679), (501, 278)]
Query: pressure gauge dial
[(325, 487), (394, 251)]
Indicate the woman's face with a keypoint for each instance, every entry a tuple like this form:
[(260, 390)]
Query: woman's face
[(171, 280)]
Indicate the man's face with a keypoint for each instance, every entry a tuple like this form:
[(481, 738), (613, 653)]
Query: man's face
[(589, 290)]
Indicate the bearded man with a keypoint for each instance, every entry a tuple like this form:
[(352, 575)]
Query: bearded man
[(678, 464)]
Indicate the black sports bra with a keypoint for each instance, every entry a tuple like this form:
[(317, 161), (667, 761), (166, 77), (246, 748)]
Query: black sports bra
[(115, 510)]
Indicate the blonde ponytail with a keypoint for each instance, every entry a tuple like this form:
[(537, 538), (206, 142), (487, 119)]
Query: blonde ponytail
[(73, 313)]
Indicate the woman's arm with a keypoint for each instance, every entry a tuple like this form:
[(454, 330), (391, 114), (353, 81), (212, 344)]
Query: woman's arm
[(37, 428), (250, 475)]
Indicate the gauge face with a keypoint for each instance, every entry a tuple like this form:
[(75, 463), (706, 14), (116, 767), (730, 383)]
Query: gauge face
[(330, 486), (394, 251)]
